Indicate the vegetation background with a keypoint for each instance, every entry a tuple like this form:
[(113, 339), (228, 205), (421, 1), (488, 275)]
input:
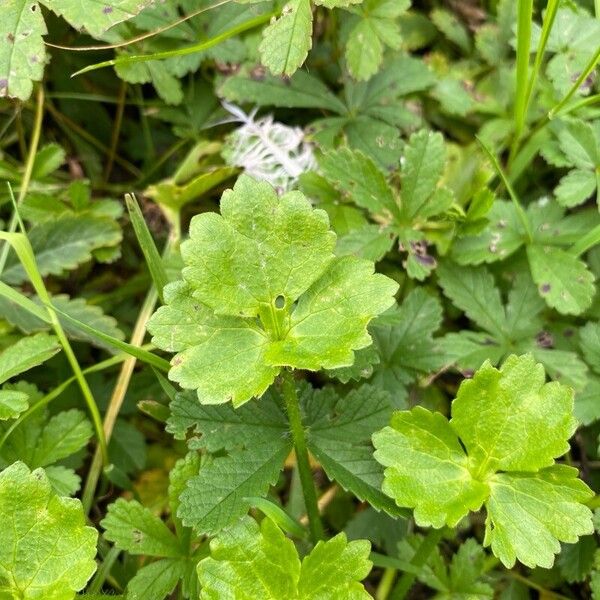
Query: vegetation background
[(375, 369)]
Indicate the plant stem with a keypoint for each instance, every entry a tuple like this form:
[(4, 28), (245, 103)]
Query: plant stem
[(419, 559), (525, 17), (386, 583), (290, 397), (117, 397), (544, 593), (586, 241), (513, 196)]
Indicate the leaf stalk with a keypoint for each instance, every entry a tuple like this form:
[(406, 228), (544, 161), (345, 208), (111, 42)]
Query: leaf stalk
[(290, 397)]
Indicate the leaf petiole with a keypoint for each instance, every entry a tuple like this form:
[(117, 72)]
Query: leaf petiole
[(290, 397)]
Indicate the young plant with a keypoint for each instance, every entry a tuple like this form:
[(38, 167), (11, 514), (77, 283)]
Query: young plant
[(262, 291)]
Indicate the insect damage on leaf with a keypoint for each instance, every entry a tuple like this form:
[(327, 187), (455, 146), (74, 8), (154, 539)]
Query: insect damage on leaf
[(261, 290)]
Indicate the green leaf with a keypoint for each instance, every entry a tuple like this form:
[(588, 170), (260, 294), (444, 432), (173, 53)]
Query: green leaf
[(135, 528), (502, 237), (331, 318), (144, 237), (589, 337), (528, 513), (462, 578), (223, 358), (223, 427), (403, 337), (424, 160), (452, 28), (577, 560), (377, 27), (527, 421), (282, 246), (249, 562), (302, 90), (127, 448), (77, 308), (417, 444), (63, 244), (98, 18), (185, 468), (264, 291), (371, 242), (62, 435), (12, 403), (22, 51), (27, 353), (579, 144), (49, 532), (360, 179), (286, 41), (156, 580), (364, 51), (563, 280), (47, 160), (587, 407), (339, 433), (64, 481), (575, 188), (473, 290), (219, 494), (511, 426)]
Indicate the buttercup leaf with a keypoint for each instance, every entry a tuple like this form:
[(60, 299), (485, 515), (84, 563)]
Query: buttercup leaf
[(268, 258), (498, 450)]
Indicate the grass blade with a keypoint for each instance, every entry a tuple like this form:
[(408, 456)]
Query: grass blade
[(139, 353), (524, 20), (22, 247), (547, 24), (205, 45), (513, 196), (147, 245)]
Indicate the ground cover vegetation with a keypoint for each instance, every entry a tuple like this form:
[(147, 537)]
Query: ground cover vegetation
[(298, 299)]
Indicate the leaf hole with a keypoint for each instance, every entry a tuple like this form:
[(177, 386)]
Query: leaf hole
[(280, 301)]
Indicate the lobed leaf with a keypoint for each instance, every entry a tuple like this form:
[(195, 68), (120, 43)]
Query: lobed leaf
[(49, 532), (248, 562)]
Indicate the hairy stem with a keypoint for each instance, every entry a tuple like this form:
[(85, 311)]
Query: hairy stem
[(290, 397)]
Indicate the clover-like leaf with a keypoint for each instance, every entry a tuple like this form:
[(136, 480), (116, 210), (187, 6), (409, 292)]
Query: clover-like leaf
[(262, 289), (47, 551), (249, 562), (498, 450)]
